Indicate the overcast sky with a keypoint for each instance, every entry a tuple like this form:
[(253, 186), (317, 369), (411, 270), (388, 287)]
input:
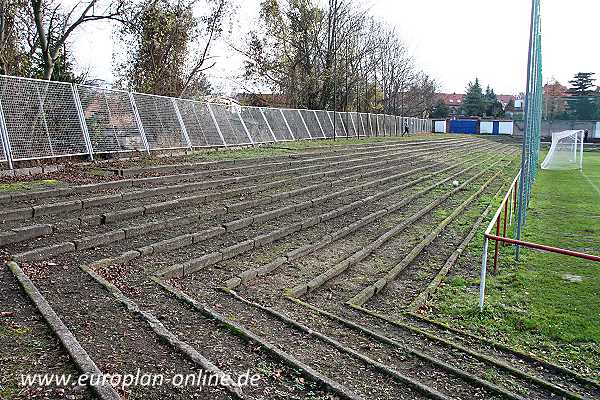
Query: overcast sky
[(453, 41)]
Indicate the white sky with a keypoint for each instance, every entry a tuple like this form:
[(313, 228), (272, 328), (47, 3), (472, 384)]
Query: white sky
[(453, 41)]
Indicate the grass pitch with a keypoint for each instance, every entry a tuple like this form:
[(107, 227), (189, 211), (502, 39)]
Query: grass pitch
[(546, 304)]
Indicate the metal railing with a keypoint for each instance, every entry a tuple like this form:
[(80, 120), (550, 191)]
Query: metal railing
[(45, 119), (502, 219)]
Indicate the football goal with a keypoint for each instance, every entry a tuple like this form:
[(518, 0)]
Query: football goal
[(566, 151)]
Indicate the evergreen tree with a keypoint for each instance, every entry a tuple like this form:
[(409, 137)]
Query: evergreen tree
[(583, 97), (473, 104), (490, 102), (440, 110)]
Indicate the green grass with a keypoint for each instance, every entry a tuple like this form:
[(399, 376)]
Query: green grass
[(531, 305), (291, 147), (30, 185)]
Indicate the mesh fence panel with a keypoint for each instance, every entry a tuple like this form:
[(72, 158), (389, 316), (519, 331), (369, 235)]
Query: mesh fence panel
[(160, 122), (363, 124), (110, 120), (348, 123), (379, 123), (277, 124), (312, 123), (296, 125), (368, 124), (340, 130), (230, 124), (41, 118), (353, 124), (374, 125), (256, 125), (390, 125), (2, 144), (326, 124), (199, 124)]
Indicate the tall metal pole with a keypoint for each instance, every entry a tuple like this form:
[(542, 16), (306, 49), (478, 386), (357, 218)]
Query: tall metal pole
[(334, 41), (527, 132)]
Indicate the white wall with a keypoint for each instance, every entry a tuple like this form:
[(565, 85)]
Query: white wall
[(440, 126), (486, 127), (506, 128)]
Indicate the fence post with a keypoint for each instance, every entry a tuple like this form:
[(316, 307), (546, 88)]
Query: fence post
[(262, 112), (5, 140), (286, 124), (212, 114), (319, 122), (239, 113), (138, 122), (181, 123), (483, 273), (81, 115), (304, 123)]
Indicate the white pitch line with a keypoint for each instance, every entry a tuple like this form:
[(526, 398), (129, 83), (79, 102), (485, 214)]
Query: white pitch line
[(591, 183)]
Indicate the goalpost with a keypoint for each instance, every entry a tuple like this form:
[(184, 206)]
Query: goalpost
[(566, 151)]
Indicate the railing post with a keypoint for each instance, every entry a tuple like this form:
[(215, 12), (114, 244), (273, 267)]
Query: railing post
[(486, 243), (138, 122), (5, 140), (82, 123), (496, 246), (181, 123), (505, 217)]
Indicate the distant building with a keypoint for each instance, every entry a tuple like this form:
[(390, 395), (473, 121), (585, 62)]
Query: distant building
[(505, 100), (454, 101), (555, 103)]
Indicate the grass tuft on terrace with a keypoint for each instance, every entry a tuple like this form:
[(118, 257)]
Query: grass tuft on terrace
[(283, 148), (546, 304)]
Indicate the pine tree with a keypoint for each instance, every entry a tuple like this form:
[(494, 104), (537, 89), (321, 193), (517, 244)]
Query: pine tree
[(489, 101), (440, 110), (582, 101), (473, 104)]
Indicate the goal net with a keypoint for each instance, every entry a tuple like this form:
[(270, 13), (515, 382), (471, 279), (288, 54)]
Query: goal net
[(566, 151)]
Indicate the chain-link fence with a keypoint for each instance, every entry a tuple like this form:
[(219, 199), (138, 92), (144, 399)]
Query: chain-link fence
[(40, 119), (199, 124), (44, 119), (257, 125), (110, 120)]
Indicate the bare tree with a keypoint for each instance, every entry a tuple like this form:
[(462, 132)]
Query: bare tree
[(54, 25), (17, 37), (330, 57), (168, 47)]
